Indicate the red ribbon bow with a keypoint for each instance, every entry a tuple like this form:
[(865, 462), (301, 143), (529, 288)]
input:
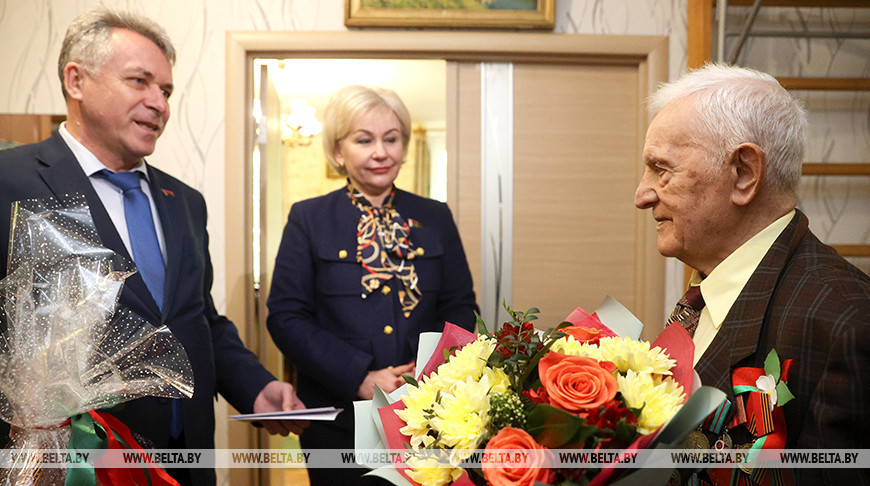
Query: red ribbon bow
[(765, 422), (117, 476)]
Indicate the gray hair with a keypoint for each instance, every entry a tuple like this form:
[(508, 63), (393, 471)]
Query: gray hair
[(736, 105), (87, 39), (351, 102)]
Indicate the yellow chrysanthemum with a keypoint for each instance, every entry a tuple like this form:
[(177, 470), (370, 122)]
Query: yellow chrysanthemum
[(459, 375), (459, 419), (468, 361), (430, 472), (628, 354), (660, 398), (499, 382), (462, 414), (417, 413), (571, 347)]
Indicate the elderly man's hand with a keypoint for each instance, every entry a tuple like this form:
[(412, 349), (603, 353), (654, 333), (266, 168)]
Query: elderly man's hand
[(278, 396)]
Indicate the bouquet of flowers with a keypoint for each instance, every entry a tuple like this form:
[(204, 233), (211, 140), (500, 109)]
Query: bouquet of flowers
[(66, 353), (576, 386)]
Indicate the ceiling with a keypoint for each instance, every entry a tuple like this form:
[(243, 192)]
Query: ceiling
[(420, 83)]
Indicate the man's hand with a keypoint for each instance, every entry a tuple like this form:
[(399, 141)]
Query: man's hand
[(388, 379), (278, 396)]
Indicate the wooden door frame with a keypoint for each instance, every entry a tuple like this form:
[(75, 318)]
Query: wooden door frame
[(648, 53)]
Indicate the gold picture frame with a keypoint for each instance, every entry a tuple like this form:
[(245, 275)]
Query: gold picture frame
[(364, 13)]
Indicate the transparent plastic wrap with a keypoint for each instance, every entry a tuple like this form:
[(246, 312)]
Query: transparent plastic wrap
[(66, 351)]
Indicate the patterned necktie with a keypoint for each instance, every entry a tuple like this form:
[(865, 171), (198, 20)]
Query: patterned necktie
[(140, 227), (688, 310)]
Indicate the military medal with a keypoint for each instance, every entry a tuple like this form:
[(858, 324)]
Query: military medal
[(724, 442), (697, 440)]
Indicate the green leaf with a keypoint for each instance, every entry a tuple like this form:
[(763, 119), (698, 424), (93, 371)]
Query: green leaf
[(556, 428), (410, 380), (527, 334), (448, 352), (771, 365), (533, 362), (495, 360), (783, 394), (510, 311), (554, 335), (481, 326), (625, 433)]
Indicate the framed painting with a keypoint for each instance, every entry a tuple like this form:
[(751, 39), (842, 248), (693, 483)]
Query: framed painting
[(479, 14)]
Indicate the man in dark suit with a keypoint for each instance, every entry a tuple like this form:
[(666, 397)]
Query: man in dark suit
[(723, 160), (116, 74)]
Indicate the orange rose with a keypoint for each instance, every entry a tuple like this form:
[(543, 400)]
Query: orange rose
[(583, 334), (574, 383), (531, 462)]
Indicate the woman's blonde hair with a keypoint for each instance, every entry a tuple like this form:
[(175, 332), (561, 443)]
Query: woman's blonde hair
[(347, 105)]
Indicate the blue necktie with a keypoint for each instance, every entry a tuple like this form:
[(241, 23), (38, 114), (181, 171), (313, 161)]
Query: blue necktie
[(140, 227), (146, 251)]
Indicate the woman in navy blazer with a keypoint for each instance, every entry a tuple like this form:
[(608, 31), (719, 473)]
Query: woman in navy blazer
[(362, 271)]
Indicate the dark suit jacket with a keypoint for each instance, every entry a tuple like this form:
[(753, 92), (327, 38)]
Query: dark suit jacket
[(220, 362), (811, 305), (318, 318)]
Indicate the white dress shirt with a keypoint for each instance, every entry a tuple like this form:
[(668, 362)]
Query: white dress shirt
[(721, 288), (111, 196)]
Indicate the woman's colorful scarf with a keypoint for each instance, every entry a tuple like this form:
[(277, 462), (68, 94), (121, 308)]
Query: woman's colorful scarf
[(384, 249)]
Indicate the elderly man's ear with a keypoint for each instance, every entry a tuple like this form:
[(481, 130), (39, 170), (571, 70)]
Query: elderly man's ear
[(747, 172)]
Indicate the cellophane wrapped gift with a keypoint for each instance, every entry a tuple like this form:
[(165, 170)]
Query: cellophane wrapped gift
[(66, 353)]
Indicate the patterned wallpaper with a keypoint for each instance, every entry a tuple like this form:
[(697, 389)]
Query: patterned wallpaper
[(192, 148), (838, 207)]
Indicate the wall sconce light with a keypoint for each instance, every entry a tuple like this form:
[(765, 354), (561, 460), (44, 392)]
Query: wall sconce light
[(299, 127)]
